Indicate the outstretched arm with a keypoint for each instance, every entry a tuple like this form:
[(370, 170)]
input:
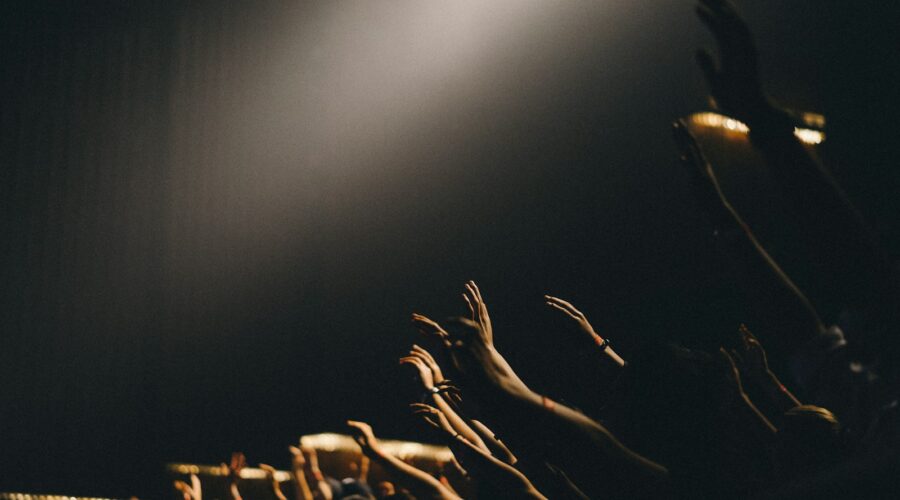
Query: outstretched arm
[(419, 482), (744, 405), (321, 486), (799, 311), (494, 444), (301, 486), (751, 359), (602, 344), (578, 444)]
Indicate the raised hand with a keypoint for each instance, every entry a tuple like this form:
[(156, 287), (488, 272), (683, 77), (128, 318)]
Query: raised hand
[(751, 357), (452, 394), (433, 417), (752, 361), (420, 482), (478, 310), (302, 487), (237, 464), (734, 83), (365, 438), (425, 374), (446, 401), (431, 328), (233, 471), (478, 360), (298, 461), (570, 311), (738, 395), (584, 325), (312, 456), (190, 491), (429, 361)]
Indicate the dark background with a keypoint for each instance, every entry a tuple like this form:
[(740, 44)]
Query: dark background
[(217, 216)]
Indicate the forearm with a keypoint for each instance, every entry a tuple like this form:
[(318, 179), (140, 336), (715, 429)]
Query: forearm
[(233, 492), (797, 311), (458, 424), (496, 447), (324, 489), (419, 482), (783, 399), (364, 469), (276, 490), (321, 485), (839, 232), (301, 487), (487, 468), (583, 446), (566, 437), (607, 354), (752, 413)]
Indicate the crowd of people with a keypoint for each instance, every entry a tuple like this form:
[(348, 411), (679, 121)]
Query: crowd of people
[(676, 422)]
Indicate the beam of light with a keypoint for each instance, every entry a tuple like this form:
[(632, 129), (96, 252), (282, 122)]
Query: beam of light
[(328, 109), (805, 135)]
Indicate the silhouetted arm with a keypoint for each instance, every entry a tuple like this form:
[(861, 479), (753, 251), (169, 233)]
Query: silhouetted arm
[(602, 345), (839, 234), (794, 307)]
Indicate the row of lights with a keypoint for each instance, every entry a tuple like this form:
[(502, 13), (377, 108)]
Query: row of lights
[(218, 470), (324, 442)]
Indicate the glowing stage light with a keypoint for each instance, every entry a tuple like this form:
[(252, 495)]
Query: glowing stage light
[(806, 135), (218, 470), (327, 442)]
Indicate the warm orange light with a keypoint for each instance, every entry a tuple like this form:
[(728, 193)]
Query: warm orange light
[(218, 470), (29, 496), (806, 135), (333, 442)]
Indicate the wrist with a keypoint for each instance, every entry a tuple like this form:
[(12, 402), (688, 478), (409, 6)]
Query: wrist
[(602, 343), (548, 403)]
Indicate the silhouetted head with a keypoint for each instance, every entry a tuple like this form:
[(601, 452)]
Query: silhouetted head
[(384, 489), (809, 440), (400, 496)]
